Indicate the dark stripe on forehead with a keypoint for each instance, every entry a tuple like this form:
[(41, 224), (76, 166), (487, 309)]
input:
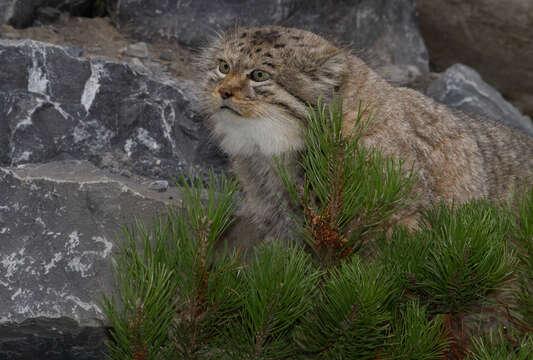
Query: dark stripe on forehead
[(271, 36)]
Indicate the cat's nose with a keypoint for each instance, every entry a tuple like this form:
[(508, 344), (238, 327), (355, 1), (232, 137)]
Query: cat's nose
[(225, 93)]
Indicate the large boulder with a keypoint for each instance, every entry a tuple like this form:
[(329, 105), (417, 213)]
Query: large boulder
[(51, 339), (23, 13), (54, 105), (58, 227), (461, 87), (492, 36), (385, 32), (81, 143)]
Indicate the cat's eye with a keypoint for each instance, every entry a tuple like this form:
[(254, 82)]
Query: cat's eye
[(259, 75), (223, 67)]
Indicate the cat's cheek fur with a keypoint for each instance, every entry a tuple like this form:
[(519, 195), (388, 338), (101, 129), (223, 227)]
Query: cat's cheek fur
[(269, 135)]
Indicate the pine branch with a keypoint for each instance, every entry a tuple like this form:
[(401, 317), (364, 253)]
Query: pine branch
[(468, 259), (278, 285), (342, 180), (503, 344), (351, 319), (416, 335), (142, 313)]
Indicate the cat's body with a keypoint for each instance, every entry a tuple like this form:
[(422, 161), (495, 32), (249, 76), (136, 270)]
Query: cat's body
[(259, 80)]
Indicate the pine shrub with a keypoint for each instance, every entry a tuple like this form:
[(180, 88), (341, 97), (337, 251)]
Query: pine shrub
[(424, 294)]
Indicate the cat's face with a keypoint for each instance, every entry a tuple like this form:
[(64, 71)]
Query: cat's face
[(258, 82)]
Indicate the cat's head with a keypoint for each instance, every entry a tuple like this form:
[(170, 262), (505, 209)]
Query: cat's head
[(258, 83)]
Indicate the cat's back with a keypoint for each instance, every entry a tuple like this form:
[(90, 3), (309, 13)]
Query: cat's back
[(458, 156)]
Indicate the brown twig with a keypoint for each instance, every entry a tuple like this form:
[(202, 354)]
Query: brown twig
[(138, 347)]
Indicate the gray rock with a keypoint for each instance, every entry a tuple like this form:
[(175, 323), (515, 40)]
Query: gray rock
[(166, 55), (463, 88), (54, 105), (192, 22), (58, 226), (47, 15), (51, 339), (75, 51), (23, 13), (18, 13), (139, 50), (383, 32), (386, 30), (492, 36), (159, 185)]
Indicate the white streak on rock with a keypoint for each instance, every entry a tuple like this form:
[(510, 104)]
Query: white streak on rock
[(84, 305), (128, 146), (17, 293), (37, 79), (73, 242), (144, 138), (24, 123), (168, 123), (12, 262), (25, 156), (92, 85), (57, 257), (26, 178), (60, 110), (40, 221), (125, 188), (108, 245), (98, 135), (76, 265)]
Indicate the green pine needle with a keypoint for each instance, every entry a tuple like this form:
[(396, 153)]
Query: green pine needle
[(502, 345), (468, 259), (416, 336), (279, 285), (348, 190), (350, 320)]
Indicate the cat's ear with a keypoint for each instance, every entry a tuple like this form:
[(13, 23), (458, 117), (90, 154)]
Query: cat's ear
[(333, 65)]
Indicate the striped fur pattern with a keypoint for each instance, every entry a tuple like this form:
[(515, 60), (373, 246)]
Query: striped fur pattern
[(458, 158)]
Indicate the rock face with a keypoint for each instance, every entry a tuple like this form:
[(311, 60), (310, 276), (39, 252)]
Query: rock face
[(54, 105), (386, 30), (492, 36), (76, 136), (384, 33), (23, 13), (51, 339), (461, 87), (58, 225)]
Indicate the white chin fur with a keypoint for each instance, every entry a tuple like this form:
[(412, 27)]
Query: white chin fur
[(269, 135)]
